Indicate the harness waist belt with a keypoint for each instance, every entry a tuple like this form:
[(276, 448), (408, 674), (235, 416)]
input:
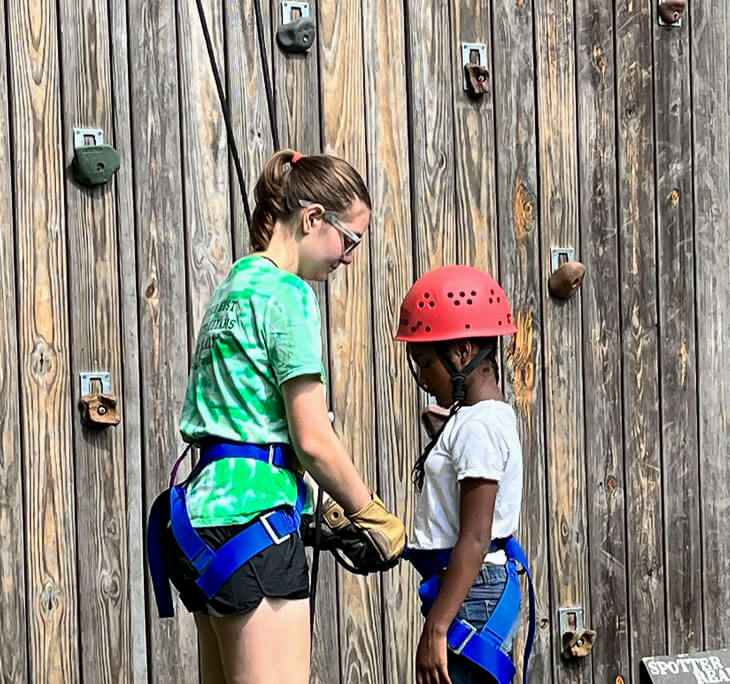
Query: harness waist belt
[(482, 647), (215, 567)]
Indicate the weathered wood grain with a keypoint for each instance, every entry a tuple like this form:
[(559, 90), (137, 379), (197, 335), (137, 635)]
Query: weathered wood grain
[(677, 348), (13, 646), (297, 92), (602, 338), (709, 27), (161, 270), (351, 347), (206, 174), (431, 125), (558, 200), (45, 390), (249, 112), (474, 152), (130, 382), (513, 76), (391, 250), (95, 331), (637, 268)]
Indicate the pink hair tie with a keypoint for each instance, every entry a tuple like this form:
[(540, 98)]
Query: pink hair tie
[(297, 156)]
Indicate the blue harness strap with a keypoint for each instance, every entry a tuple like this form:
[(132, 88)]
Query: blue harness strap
[(482, 647), (216, 566)]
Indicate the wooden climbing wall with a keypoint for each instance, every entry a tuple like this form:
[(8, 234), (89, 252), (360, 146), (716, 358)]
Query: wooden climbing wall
[(601, 130)]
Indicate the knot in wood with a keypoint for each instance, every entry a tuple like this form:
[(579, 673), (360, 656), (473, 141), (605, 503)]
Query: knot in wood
[(110, 585), (49, 597)]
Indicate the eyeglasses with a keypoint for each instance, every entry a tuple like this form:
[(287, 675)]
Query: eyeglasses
[(350, 238)]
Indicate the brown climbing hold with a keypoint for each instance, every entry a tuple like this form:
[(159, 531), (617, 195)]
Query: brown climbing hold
[(99, 410), (566, 280), (578, 644), (433, 418), (671, 11), (477, 79)]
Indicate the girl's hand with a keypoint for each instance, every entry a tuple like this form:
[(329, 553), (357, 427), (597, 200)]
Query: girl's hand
[(431, 667)]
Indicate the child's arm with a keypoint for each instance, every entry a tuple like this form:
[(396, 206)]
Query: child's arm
[(476, 511)]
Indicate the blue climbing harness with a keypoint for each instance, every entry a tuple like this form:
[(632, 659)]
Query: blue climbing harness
[(216, 566), (482, 647)]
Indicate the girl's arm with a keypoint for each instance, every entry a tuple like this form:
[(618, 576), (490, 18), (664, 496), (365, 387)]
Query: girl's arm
[(318, 447), (476, 511)]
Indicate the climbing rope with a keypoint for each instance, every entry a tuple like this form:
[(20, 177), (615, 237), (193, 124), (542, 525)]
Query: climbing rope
[(224, 103)]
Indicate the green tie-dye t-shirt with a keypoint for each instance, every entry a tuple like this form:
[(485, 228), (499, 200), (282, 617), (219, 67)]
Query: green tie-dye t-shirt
[(262, 328)]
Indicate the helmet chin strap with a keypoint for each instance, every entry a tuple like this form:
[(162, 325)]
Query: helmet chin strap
[(459, 377)]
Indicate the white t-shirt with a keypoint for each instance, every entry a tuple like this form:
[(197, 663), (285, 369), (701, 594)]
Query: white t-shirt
[(480, 441)]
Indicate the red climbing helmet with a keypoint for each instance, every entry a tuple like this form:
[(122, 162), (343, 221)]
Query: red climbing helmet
[(454, 302)]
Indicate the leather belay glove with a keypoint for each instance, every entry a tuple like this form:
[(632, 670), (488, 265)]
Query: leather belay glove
[(371, 540)]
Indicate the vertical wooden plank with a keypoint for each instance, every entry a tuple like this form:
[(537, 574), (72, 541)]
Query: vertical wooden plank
[(637, 268), (44, 346), (249, 112), (432, 134), (709, 28), (13, 646), (131, 401), (392, 266), (161, 270), (206, 202), (130, 394), (351, 348), (105, 645), (602, 338), (557, 139), (677, 350), (297, 101), (520, 267), (474, 153)]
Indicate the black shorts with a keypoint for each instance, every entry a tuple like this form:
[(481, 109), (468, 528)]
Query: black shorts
[(279, 571)]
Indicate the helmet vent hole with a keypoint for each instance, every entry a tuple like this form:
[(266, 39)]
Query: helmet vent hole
[(432, 304), (462, 294), (499, 299), (451, 295), (426, 295), (420, 305), (428, 328), (467, 326), (469, 302), (473, 293), (457, 303), (500, 322), (414, 328), (491, 301), (491, 291)]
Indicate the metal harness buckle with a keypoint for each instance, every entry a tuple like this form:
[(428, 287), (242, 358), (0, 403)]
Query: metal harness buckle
[(467, 639), (264, 520)]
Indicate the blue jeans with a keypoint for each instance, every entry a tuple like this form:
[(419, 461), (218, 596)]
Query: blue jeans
[(478, 605)]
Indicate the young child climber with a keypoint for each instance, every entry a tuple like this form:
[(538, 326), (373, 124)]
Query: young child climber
[(468, 479)]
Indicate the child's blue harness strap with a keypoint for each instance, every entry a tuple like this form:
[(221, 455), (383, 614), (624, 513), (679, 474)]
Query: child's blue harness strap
[(216, 566), (482, 647)]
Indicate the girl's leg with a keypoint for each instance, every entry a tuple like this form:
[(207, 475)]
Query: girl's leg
[(269, 645), (211, 667)]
